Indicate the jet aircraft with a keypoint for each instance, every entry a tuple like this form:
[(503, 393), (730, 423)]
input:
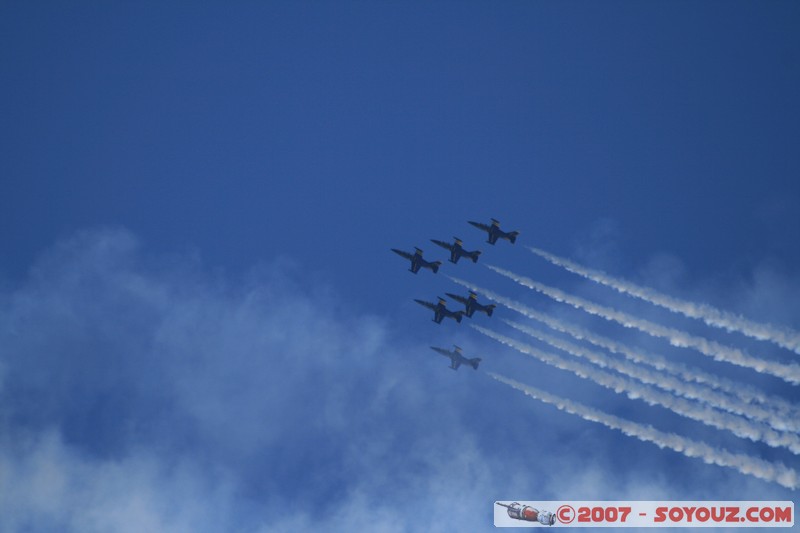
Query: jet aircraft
[(457, 358), (457, 251), (417, 261), (495, 232), (440, 311), (471, 304)]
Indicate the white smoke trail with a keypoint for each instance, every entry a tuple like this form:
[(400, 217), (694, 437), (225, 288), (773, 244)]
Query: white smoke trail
[(665, 382), (782, 336), (745, 464), (701, 413), (744, 392), (787, 372)]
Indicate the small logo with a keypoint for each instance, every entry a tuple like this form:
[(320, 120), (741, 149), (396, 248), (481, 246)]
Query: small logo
[(529, 514)]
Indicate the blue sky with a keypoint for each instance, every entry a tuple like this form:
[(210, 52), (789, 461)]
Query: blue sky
[(203, 326)]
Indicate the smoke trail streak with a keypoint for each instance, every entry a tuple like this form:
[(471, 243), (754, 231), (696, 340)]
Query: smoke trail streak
[(745, 464), (782, 336), (665, 382), (787, 372), (744, 392), (701, 413)]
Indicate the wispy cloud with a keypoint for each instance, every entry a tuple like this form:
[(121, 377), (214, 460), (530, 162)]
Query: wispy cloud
[(782, 336), (48, 486), (745, 464), (665, 381), (144, 391), (787, 372), (635, 390)]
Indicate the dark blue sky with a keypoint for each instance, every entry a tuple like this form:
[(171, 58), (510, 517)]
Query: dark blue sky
[(289, 145), (301, 128)]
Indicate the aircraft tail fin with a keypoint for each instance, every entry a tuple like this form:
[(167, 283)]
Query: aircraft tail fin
[(435, 266), (459, 316), (475, 255), (490, 309), (475, 362), (513, 236)]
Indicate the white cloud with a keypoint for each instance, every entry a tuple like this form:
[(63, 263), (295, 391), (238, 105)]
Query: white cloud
[(143, 392), (46, 485)]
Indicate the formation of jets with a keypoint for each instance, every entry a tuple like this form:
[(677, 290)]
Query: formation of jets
[(470, 302), (457, 250)]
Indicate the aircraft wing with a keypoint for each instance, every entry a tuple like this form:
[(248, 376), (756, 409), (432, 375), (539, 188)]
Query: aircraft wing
[(423, 303), (458, 298), (455, 364), (403, 254), (442, 351), (484, 227), (445, 245)]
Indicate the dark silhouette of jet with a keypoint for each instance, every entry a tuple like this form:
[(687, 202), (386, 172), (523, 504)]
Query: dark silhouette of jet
[(440, 312), (417, 261), (495, 232), (456, 357), (457, 251), (471, 304)]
